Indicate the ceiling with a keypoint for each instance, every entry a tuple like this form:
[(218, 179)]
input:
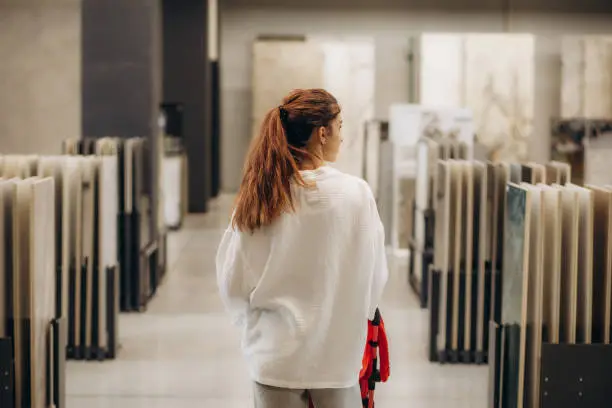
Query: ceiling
[(540, 6)]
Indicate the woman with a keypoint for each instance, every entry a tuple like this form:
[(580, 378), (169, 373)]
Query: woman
[(302, 266)]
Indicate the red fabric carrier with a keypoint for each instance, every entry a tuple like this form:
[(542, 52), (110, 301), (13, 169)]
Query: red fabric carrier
[(376, 351)]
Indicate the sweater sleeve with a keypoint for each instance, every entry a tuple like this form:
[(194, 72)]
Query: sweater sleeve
[(232, 276), (381, 271)]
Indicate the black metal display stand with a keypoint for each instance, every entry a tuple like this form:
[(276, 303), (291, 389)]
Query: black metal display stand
[(571, 375), (421, 288), (56, 367), (7, 374), (461, 354), (95, 351)]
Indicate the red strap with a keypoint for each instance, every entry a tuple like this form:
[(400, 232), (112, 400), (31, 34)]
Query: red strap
[(383, 349)]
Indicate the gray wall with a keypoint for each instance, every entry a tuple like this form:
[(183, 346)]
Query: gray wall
[(40, 74), (391, 29)]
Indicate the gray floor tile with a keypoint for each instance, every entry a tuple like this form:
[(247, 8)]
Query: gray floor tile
[(183, 352)]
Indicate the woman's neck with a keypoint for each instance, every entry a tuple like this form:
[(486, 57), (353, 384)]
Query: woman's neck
[(311, 164)]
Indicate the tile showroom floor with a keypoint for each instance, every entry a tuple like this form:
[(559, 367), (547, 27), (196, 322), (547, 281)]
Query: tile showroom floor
[(183, 353)]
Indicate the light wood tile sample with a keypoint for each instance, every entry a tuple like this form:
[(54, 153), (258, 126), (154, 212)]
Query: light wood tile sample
[(584, 322), (569, 265), (602, 263), (551, 200)]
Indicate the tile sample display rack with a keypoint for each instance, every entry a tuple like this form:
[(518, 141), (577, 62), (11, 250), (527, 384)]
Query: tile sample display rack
[(552, 345), (141, 252), (465, 277), (84, 247), (423, 214), (32, 328)]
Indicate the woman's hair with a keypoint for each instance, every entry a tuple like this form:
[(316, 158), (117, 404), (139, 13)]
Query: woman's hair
[(273, 161)]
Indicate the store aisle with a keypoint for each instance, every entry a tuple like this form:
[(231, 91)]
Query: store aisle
[(183, 353)]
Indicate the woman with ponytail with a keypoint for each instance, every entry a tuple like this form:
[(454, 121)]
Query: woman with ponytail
[(302, 266)]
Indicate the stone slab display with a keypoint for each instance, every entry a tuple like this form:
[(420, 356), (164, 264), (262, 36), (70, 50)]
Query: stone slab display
[(569, 264), (533, 327), (457, 204), (584, 322), (551, 304), (515, 276), (444, 246), (602, 263), (481, 238)]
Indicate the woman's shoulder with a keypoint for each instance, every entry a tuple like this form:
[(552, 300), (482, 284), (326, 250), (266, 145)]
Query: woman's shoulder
[(355, 187)]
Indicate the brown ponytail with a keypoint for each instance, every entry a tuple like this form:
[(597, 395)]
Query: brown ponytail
[(276, 154)]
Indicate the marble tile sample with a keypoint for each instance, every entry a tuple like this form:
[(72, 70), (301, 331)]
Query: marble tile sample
[(444, 245), (516, 254), (563, 171), (499, 88), (372, 155), (404, 211), (501, 175), (602, 263), (21, 286), (468, 233), (597, 153), (584, 310), (535, 272), (569, 265), (459, 70), (481, 239), (457, 204), (51, 166), (552, 174), (586, 76), (42, 281), (89, 173), (272, 60), (108, 201), (348, 73), (346, 68), (516, 173), (551, 303), (515, 275)]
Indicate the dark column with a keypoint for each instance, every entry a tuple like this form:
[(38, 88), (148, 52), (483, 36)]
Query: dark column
[(187, 79), (214, 46), (121, 75)]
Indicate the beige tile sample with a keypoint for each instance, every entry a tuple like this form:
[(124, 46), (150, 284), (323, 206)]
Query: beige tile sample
[(551, 200), (584, 322), (444, 244), (569, 264), (458, 240), (468, 249), (602, 263), (534, 297), (481, 200)]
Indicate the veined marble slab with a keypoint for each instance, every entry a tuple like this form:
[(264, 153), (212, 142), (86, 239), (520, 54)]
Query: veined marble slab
[(272, 61), (515, 275), (586, 77), (460, 70)]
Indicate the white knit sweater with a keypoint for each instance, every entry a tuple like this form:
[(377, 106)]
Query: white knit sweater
[(302, 289)]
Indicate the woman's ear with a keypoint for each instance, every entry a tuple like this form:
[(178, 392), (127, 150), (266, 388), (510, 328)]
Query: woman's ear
[(322, 135)]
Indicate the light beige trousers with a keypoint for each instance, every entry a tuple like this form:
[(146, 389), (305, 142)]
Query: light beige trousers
[(272, 397)]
